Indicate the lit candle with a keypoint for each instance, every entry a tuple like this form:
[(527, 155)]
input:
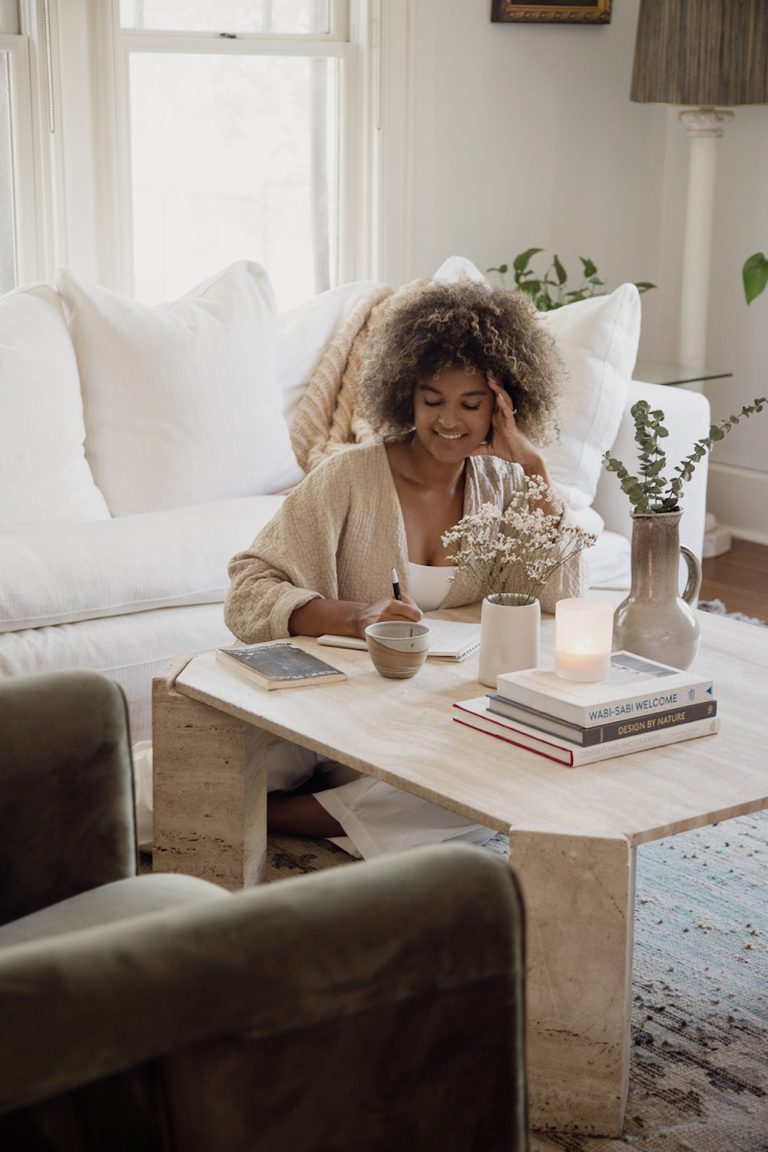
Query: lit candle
[(583, 634)]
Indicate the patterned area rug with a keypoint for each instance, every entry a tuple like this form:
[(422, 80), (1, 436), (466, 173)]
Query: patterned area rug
[(720, 609), (699, 1067)]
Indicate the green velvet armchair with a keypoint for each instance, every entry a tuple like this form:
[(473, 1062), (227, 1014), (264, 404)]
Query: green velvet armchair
[(373, 1007)]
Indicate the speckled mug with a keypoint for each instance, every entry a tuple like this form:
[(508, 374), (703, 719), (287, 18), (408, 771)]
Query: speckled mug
[(397, 648)]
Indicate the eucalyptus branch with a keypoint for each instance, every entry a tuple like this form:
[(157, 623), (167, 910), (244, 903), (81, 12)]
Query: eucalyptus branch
[(650, 490)]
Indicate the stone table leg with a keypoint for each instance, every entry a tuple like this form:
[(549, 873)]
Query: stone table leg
[(209, 790), (579, 894)]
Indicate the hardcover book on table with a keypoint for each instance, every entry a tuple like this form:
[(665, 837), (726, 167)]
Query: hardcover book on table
[(601, 733), (635, 687), (476, 714), (279, 666)]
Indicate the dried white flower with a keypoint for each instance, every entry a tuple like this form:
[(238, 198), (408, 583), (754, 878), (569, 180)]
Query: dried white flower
[(516, 550)]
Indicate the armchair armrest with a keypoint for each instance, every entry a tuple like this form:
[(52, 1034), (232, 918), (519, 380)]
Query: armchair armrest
[(379, 1005), (65, 766), (687, 420)]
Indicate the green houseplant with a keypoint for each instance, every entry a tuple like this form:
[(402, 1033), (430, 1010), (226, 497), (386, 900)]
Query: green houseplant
[(549, 290), (654, 620)]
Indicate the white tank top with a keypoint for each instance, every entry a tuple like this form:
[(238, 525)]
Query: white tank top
[(429, 584)]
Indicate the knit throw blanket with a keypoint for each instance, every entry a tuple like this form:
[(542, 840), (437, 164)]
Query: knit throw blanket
[(325, 420)]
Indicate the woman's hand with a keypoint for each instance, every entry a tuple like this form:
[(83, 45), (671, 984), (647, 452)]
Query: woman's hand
[(506, 439), (508, 442), (405, 609), (348, 617)]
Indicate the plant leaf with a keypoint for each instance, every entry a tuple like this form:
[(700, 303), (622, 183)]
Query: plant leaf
[(755, 276), (521, 261)]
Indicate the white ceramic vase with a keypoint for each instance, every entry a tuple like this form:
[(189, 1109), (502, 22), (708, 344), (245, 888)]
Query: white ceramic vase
[(509, 635)]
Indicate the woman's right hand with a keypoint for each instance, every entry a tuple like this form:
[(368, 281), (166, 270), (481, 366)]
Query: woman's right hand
[(348, 617), (390, 609)]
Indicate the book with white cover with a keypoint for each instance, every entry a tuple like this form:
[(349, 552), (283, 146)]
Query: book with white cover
[(476, 714), (635, 686), (600, 733), (448, 639)]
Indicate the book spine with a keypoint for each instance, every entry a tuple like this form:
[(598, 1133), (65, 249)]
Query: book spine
[(605, 733), (572, 756), (659, 699), (646, 740)]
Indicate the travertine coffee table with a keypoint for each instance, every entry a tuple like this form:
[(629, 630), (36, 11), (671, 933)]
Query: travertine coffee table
[(573, 831)]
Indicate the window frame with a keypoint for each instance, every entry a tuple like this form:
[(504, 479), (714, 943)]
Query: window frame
[(72, 180), (27, 207), (336, 43)]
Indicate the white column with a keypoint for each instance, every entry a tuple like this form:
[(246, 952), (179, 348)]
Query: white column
[(703, 126)]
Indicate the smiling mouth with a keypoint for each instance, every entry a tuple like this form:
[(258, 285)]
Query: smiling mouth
[(450, 436)]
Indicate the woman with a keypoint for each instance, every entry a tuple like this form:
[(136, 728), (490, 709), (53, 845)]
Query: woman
[(456, 378)]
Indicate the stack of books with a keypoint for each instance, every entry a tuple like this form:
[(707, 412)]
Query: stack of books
[(642, 704)]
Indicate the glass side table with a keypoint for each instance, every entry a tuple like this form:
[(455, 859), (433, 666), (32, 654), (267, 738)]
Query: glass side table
[(716, 538), (674, 375)]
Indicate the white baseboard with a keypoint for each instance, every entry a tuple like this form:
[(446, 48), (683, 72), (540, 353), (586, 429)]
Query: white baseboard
[(738, 498)]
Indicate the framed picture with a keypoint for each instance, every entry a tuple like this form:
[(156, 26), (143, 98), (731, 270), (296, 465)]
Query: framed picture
[(551, 12)]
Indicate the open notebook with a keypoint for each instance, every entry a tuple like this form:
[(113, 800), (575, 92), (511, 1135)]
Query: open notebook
[(449, 639)]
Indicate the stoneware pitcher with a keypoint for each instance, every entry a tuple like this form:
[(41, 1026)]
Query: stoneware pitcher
[(655, 620)]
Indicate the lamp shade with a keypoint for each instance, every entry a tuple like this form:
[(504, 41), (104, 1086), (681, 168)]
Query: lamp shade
[(701, 53)]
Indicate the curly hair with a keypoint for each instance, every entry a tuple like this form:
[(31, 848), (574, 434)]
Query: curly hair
[(429, 326)]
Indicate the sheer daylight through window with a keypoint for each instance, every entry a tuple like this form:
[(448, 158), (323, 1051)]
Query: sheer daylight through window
[(233, 154)]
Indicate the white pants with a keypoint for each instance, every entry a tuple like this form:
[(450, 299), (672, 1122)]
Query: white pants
[(378, 818)]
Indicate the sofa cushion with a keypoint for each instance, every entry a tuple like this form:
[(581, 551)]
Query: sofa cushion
[(304, 332), (44, 474), (597, 340), (62, 573), (129, 649), (182, 400)]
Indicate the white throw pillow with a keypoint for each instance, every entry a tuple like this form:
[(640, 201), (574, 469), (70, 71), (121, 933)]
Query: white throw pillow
[(65, 573), (304, 332), (182, 401), (44, 475), (597, 340)]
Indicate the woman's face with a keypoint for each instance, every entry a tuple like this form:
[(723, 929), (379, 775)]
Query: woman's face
[(452, 413)]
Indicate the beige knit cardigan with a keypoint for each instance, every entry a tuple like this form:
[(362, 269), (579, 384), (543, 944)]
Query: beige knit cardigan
[(340, 532)]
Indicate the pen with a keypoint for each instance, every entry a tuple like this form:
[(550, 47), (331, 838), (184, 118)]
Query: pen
[(396, 585)]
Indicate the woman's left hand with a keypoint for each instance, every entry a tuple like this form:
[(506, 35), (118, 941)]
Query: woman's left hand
[(508, 442), (506, 439)]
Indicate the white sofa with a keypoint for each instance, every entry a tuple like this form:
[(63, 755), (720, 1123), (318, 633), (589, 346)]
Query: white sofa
[(140, 447)]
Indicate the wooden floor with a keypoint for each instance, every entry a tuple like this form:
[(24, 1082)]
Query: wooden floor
[(739, 578)]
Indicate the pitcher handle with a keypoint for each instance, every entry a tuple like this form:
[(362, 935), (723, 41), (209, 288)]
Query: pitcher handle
[(692, 585)]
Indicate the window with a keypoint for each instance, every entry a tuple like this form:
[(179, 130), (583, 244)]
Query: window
[(147, 143), (18, 196), (232, 113)]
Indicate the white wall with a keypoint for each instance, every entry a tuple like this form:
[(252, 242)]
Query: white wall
[(524, 135)]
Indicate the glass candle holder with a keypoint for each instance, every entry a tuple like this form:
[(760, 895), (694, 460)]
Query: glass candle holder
[(583, 635)]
